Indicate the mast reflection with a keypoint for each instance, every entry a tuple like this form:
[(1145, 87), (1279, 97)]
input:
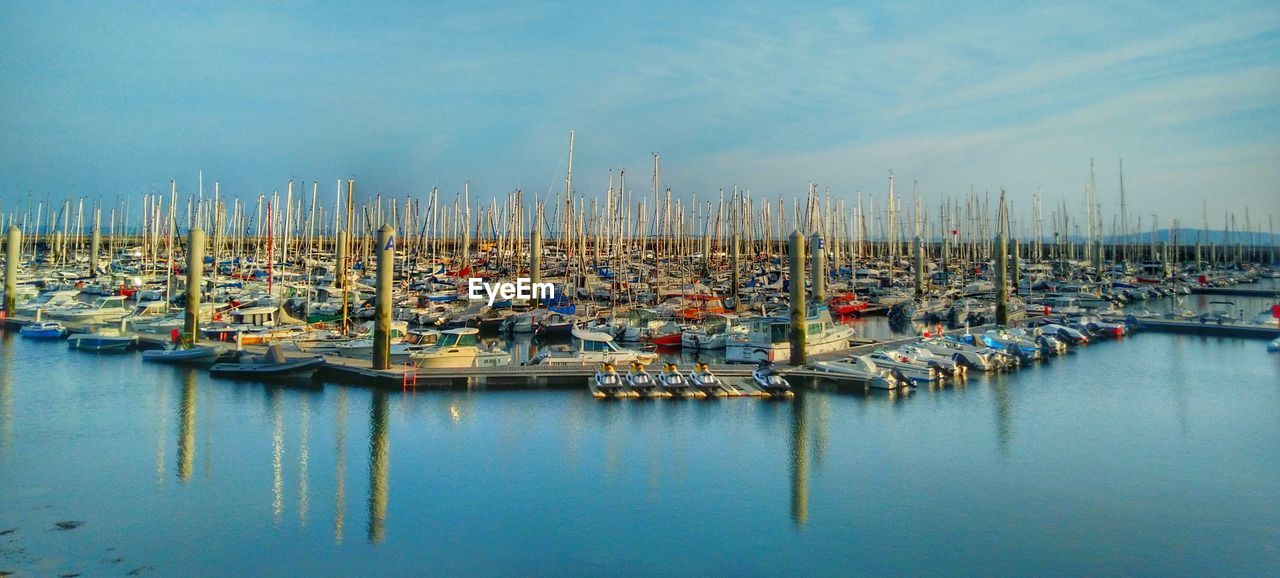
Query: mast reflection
[(304, 456)]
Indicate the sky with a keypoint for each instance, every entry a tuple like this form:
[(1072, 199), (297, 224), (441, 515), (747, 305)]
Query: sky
[(111, 100)]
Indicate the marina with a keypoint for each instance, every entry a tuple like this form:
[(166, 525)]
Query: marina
[(594, 289)]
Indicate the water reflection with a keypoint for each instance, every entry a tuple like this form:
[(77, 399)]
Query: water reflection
[(304, 456), (379, 464), (187, 425), (6, 391), (799, 460), (340, 466), (1004, 412), (277, 455)]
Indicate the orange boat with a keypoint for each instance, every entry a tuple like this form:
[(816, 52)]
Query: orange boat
[(700, 306)]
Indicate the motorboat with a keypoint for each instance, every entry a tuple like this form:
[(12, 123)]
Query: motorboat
[(713, 334), (593, 347), (767, 378), (769, 338), (1000, 338), (703, 380), (460, 347), (669, 334), (846, 304), (671, 380), (106, 340), (1063, 333), (43, 330), (977, 357), (184, 355), (607, 381), (1274, 346), (273, 364), (555, 324), (916, 371), (946, 365), (861, 368), (104, 310), (639, 380), (48, 301)]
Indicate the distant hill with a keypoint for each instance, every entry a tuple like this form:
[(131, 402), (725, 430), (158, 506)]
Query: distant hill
[(1191, 236)]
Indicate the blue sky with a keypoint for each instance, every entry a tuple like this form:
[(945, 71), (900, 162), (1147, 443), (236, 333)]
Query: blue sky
[(109, 99)]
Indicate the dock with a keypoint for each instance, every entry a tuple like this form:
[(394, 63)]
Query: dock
[(1197, 327), (1236, 291)]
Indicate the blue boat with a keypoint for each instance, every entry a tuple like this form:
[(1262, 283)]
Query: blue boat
[(43, 330)]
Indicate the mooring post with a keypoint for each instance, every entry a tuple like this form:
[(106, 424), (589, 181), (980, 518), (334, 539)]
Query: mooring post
[(818, 249), (11, 269), (918, 266), (382, 307), (798, 329), (195, 274)]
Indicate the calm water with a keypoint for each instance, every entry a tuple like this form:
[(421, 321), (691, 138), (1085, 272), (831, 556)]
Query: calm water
[(1157, 454)]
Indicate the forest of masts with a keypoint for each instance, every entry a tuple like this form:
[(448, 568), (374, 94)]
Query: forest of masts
[(605, 229)]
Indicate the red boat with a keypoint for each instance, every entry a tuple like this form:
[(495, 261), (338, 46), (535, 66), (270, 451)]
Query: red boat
[(666, 336), (846, 304)]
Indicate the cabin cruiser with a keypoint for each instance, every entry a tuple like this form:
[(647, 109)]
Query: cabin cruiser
[(769, 338), (766, 377), (48, 301), (460, 348), (639, 380), (104, 310), (607, 381), (713, 334), (593, 347), (703, 380), (671, 380)]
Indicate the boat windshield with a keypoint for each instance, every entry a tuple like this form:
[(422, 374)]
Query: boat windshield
[(589, 345), (456, 340), (779, 332)]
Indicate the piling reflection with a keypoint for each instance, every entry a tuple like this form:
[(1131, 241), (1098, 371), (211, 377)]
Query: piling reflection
[(799, 460), (379, 464), (340, 466), (1004, 412), (187, 425), (6, 392)]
